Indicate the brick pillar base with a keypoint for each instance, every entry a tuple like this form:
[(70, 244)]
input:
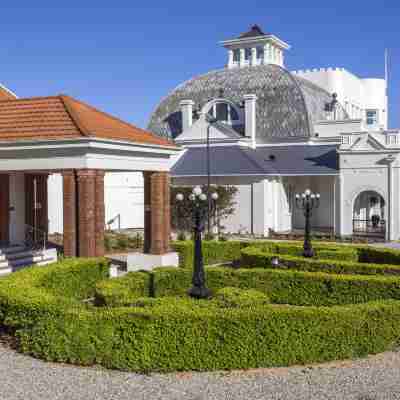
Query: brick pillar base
[(157, 213), (86, 212), (147, 212), (69, 214), (99, 214)]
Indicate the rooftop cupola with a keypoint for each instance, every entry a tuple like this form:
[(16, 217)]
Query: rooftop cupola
[(255, 48)]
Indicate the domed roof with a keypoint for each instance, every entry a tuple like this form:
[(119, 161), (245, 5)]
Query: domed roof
[(287, 106)]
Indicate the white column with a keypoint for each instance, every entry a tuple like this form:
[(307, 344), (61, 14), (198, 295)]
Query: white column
[(253, 56), (390, 214), (250, 101), (187, 113), (266, 53), (230, 58), (242, 58)]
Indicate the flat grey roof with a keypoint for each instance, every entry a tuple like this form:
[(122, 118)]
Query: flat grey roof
[(271, 160)]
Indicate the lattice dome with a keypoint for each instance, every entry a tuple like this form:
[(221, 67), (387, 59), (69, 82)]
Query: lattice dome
[(287, 105)]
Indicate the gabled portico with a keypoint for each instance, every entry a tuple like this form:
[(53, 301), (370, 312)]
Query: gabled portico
[(42, 136)]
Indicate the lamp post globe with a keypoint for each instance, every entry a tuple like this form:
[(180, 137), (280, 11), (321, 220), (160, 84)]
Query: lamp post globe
[(198, 213), (307, 201)]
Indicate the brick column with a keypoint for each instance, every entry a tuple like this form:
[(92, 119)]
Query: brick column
[(99, 214), (86, 212), (147, 212), (167, 212), (69, 213)]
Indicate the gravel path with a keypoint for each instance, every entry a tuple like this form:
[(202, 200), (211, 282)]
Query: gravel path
[(375, 378)]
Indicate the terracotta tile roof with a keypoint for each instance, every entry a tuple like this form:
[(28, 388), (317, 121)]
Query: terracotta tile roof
[(5, 94), (62, 117)]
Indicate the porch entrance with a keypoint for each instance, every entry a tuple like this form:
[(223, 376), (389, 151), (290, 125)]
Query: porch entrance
[(36, 214), (4, 209), (369, 215)]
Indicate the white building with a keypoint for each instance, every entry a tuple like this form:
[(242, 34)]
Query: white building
[(280, 132), (323, 129)]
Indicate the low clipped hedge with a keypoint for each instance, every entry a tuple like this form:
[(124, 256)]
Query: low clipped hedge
[(145, 322), (214, 252), (281, 286), (253, 257), (284, 287)]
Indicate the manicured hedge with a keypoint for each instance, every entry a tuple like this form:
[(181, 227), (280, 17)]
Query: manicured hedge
[(187, 336), (47, 308), (285, 287), (253, 257), (214, 252), (123, 291)]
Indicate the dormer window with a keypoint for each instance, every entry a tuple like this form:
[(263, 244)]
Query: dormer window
[(236, 55), (224, 112)]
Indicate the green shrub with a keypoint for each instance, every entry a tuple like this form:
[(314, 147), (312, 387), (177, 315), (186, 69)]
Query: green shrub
[(284, 287), (379, 255), (229, 297), (214, 252), (253, 257), (123, 291), (122, 242), (47, 309)]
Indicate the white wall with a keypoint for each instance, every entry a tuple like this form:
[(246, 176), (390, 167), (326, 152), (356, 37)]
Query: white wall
[(123, 195), (17, 208), (55, 203), (355, 94), (240, 221)]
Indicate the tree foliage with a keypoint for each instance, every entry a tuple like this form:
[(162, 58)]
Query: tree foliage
[(180, 211)]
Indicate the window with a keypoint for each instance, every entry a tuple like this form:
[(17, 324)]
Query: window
[(236, 55), (260, 52), (371, 117), (247, 54), (224, 112)]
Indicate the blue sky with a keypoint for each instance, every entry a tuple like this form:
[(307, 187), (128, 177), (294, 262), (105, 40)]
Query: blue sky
[(123, 57)]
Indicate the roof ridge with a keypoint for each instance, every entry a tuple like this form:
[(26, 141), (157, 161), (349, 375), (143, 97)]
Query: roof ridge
[(117, 119), (73, 115)]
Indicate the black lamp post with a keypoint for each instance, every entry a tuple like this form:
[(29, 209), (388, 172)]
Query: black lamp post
[(211, 121), (199, 213), (307, 201)]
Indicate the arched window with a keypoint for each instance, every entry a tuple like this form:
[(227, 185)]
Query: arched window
[(224, 112)]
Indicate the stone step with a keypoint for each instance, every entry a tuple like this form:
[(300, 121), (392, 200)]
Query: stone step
[(11, 249), (13, 260)]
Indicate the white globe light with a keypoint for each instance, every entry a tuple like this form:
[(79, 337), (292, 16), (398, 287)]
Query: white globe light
[(303, 196), (307, 192), (192, 197), (197, 191), (297, 196), (179, 197), (318, 195), (203, 197), (313, 196), (214, 196)]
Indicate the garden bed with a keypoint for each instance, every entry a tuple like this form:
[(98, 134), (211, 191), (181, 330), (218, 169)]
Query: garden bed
[(259, 317)]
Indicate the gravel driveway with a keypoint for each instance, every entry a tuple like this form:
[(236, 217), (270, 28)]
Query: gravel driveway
[(375, 378)]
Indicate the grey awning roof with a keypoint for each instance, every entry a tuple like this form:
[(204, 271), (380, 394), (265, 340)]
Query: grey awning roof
[(271, 160)]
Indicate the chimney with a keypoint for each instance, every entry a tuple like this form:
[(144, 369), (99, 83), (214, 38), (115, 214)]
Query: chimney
[(187, 113), (250, 117)]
